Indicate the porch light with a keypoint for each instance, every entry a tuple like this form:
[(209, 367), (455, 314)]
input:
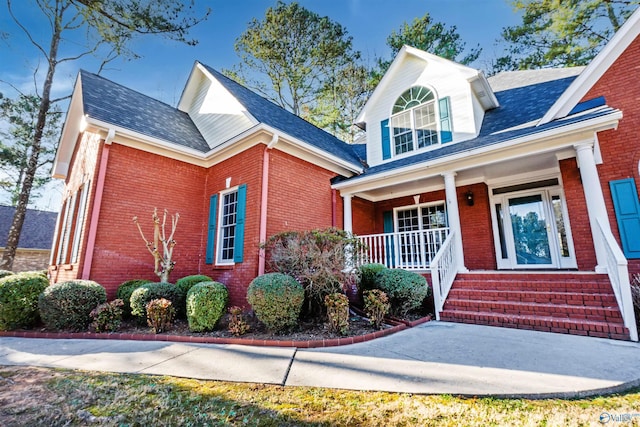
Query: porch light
[(469, 197)]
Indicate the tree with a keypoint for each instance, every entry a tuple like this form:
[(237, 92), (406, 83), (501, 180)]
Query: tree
[(19, 117), (163, 263), (108, 28), (561, 33), (294, 52), (433, 37)]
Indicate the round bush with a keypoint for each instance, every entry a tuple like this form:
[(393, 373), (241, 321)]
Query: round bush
[(125, 290), (5, 273), (368, 274), (187, 282), (67, 305), (206, 303), (277, 300), (19, 299), (150, 291), (406, 290)]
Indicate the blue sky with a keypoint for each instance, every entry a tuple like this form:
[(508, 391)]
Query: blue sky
[(164, 67)]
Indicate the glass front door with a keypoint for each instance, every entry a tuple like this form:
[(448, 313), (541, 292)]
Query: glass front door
[(531, 230)]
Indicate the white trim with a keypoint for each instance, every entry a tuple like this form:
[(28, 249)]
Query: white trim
[(562, 136), (595, 70), (218, 261)]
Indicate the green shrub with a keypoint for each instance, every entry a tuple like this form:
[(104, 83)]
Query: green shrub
[(406, 290), (337, 313), (160, 314), (237, 323), (124, 293), (376, 305), (5, 273), (368, 274), (206, 303), (187, 282), (107, 317), (67, 305), (150, 291), (19, 300), (277, 300)]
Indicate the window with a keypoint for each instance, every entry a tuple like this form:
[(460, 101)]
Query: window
[(415, 119), (226, 221), (71, 226), (422, 230)]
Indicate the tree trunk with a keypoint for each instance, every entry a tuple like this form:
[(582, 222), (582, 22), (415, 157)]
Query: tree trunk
[(23, 200)]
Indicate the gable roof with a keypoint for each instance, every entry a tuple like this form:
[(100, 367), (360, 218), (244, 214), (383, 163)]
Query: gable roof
[(596, 69), (37, 230), (117, 105), (265, 111)]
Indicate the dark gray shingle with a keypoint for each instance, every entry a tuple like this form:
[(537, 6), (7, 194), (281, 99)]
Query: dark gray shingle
[(37, 231)]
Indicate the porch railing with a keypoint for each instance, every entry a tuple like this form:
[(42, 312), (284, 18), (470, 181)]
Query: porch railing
[(619, 278), (409, 250), (444, 268)]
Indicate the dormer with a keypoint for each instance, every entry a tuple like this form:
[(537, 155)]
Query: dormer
[(423, 103)]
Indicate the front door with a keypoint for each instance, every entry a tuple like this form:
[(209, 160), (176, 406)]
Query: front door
[(531, 230)]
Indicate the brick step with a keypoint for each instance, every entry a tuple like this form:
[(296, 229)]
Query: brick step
[(559, 311), (569, 298), (540, 323), (514, 285)]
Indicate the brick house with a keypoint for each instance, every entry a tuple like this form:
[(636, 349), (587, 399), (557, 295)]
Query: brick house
[(34, 247), (515, 195)]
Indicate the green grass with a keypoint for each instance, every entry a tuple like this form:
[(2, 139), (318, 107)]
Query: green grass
[(38, 396)]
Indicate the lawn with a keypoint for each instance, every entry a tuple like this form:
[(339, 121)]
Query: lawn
[(54, 397)]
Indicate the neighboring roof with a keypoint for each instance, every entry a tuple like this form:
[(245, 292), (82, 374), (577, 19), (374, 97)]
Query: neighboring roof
[(514, 79), (37, 231), (277, 117), (115, 104), (596, 68)]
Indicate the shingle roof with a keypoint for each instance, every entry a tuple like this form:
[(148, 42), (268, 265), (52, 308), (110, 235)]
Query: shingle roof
[(115, 104), (521, 106), (37, 231), (277, 117)]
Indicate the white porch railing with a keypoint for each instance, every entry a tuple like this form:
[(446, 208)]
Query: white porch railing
[(444, 268), (409, 250), (619, 278)]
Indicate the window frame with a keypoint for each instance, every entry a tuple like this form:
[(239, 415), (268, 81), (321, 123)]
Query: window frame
[(220, 237)]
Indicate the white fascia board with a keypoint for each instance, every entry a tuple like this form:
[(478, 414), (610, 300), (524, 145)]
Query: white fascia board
[(354, 168), (188, 90), (595, 70), (597, 124), (480, 82), (69, 135)]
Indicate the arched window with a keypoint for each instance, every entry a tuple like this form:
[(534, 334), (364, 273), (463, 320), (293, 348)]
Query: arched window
[(414, 120)]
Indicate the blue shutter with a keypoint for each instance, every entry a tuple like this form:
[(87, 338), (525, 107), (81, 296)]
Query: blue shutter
[(446, 134), (238, 248), (386, 140), (211, 234), (627, 208), (387, 223)]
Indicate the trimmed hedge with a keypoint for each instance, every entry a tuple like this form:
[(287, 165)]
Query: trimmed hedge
[(124, 293), (368, 274), (277, 300), (187, 282), (19, 299), (150, 291), (406, 290), (67, 305), (206, 303)]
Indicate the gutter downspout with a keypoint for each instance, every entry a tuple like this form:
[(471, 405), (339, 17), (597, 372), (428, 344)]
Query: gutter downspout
[(97, 203), (263, 202)]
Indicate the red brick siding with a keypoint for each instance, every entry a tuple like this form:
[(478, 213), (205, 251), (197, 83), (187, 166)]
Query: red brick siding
[(578, 215), (137, 182), (363, 216), (621, 148)]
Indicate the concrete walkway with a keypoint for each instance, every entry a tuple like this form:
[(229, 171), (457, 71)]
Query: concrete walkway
[(433, 358)]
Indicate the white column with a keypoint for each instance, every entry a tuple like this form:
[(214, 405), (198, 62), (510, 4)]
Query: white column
[(594, 197), (453, 214), (348, 217)]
